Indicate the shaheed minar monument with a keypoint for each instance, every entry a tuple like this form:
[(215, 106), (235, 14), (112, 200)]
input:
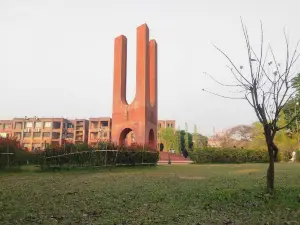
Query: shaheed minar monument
[(140, 117)]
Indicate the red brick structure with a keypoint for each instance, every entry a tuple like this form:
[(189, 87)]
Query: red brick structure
[(139, 117)]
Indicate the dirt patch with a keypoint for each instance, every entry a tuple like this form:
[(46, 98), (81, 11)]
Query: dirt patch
[(247, 171), (160, 175), (237, 166), (192, 178)]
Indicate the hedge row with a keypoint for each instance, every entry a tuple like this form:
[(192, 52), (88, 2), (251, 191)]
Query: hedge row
[(93, 158), (298, 155), (230, 155), (12, 155), (70, 155)]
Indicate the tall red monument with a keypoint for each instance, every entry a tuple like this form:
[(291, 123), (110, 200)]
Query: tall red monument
[(139, 117)]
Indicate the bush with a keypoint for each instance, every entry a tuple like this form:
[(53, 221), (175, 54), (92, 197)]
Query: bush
[(298, 156), (106, 154), (228, 155), (284, 156), (12, 155)]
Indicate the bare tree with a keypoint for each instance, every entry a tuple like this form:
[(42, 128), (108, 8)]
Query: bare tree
[(266, 91)]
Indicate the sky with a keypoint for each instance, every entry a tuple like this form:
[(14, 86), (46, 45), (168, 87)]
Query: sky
[(56, 56)]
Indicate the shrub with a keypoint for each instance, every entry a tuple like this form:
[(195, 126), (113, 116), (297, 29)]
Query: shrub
[(106, 154), (285, 156), (298, 156), (12, 155), (228, 155)]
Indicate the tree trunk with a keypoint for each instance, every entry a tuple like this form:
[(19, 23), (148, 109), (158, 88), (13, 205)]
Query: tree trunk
[(271, 174), (272, 150), (275, 151)]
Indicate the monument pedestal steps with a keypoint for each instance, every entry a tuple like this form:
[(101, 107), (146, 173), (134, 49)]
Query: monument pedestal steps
[(175, 158)]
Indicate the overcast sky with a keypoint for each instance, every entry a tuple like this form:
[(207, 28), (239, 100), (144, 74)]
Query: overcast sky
[(56, 57)]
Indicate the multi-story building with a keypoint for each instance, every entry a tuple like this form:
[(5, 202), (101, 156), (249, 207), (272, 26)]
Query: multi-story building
[(162, 124), (37, 133), (6, 128), (99, 130), (81, 127), (166, 124)]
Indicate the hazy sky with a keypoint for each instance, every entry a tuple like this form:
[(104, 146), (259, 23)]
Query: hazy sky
[(56, 57)]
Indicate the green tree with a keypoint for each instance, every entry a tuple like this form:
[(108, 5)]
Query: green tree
[(258, 139), (186, 140), (286, 141), (296, 85), (291, 110), (195, 137), (178, 136), (200, 142), (182, 139), (186, 137), (169, 138), (190, 140)]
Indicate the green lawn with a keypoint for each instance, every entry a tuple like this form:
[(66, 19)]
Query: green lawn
[(169, 194)]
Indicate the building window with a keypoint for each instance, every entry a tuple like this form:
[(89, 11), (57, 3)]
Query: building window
[(55, 135), (48, 124), (70, 125), (79, 123), (94, 124), (56, 125), (27, 134), (70, 135), (104, 123), (18, 125), (46, 134), (38, 124), (37, 134), (7, 125), (28, 124)]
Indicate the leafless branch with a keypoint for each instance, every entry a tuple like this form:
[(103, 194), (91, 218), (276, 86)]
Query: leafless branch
[(232, 64), (223, 96), (227, 85)]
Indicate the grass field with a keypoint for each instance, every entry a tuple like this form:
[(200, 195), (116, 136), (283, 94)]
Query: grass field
[(169, 194)]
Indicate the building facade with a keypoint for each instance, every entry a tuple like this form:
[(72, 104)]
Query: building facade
[(99, 130), (163, 124), (6, 128), (38, 133), (166, 124)]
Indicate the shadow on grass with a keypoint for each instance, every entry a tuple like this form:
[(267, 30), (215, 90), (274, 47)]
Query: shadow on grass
[(11, 170), (75, 169)]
